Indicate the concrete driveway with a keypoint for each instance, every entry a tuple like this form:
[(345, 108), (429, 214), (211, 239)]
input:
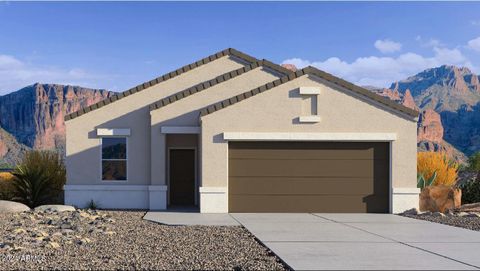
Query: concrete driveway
[(364, 241)]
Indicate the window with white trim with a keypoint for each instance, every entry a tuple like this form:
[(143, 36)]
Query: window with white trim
[(114, 158)]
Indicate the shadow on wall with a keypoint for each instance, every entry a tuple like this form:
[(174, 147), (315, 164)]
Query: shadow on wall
[(379, 201)]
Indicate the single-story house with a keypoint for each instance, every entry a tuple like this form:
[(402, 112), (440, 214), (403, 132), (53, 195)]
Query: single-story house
[(232, 133)]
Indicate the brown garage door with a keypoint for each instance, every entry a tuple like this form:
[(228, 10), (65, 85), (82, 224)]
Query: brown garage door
[(308, 177)]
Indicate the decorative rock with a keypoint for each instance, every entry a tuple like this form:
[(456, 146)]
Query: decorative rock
[(440, 198), (67, 231), (66, 226), (413, 211), (55, 208), (463, 214), (438, 214), (83, 241), (12, 207), (54, 245), (19, 231)]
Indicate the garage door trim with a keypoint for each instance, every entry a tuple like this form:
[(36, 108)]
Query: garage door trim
[(350, 137)]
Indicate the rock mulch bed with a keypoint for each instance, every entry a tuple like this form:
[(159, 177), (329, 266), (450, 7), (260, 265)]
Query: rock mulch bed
[(463, 218), (123, 240)]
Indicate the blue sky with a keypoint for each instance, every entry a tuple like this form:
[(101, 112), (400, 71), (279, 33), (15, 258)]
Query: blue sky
[(118, 45)]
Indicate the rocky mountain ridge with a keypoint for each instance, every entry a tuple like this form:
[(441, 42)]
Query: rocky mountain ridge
[(33, 117)]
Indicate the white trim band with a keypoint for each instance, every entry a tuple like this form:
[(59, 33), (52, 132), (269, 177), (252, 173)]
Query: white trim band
[(113, 132), (180, 130), (103, 187), (216, 189), (246, 136), (309, 90), (406, 190), (309, 119), (213, 199), (157, 188)]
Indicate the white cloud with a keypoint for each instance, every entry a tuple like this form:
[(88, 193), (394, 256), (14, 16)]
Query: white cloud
[(474, 44), (387, 46), (475, 22), (382, 71), (430, 43), (15, 74)]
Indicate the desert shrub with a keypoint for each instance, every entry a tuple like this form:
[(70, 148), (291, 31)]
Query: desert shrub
[(92, 205), (430, 163), (471, 191), (474, 162), (6, 186), (39, 178)]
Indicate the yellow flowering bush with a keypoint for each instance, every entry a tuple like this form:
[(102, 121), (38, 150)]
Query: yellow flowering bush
[(6, 186), (430, 162)]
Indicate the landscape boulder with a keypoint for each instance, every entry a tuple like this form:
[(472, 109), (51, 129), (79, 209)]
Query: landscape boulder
[(12, 207), (440, 198), (55, 208)]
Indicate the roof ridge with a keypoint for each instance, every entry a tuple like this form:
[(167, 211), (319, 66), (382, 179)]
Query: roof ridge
[(217, 80), (165, 77), (310, 71)]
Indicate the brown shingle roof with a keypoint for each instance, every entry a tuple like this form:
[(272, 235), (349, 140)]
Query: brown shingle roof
[(184, 69), (219, 79), (311, 71)]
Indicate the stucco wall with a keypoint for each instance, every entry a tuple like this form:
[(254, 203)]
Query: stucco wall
[(278, 109), (185, 112), (83, 148)]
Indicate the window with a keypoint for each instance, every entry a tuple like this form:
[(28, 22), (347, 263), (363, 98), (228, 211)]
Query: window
[(114, 159)]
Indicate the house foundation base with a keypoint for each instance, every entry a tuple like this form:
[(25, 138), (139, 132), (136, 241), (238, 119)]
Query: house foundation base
[(157, 196), (404, 199), (107, 196), (213, 200)]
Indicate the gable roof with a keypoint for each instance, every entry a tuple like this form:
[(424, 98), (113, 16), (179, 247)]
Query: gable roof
[(165, 77), (219, 79), (310, 71)]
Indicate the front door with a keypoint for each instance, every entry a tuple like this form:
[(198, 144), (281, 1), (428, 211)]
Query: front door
[(182, 177)]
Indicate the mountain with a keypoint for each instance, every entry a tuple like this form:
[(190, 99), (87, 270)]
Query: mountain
[(32, 117), (445, 88), (449, 99), (10, 150)]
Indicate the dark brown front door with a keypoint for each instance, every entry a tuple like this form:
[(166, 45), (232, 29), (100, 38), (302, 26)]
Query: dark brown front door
[(182, 177), (334, 177)]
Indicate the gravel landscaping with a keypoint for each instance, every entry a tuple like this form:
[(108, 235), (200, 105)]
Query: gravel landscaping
[(123, 240), (458, 218)]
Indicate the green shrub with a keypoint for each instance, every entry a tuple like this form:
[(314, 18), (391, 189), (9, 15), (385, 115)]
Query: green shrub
[(474, 162), (39, 178), (92, 205), (471, 191)]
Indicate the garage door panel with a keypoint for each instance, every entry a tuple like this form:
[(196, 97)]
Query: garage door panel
[(311, 150), (308, 177), (308, 203), (291, 167), (299, 185)]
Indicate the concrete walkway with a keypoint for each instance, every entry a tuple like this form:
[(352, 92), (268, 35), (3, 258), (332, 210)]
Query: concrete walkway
[(191, 219), (349, 241), (364, 241)]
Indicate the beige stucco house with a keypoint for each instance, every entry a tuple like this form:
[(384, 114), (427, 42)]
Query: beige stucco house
[(231, 133)]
